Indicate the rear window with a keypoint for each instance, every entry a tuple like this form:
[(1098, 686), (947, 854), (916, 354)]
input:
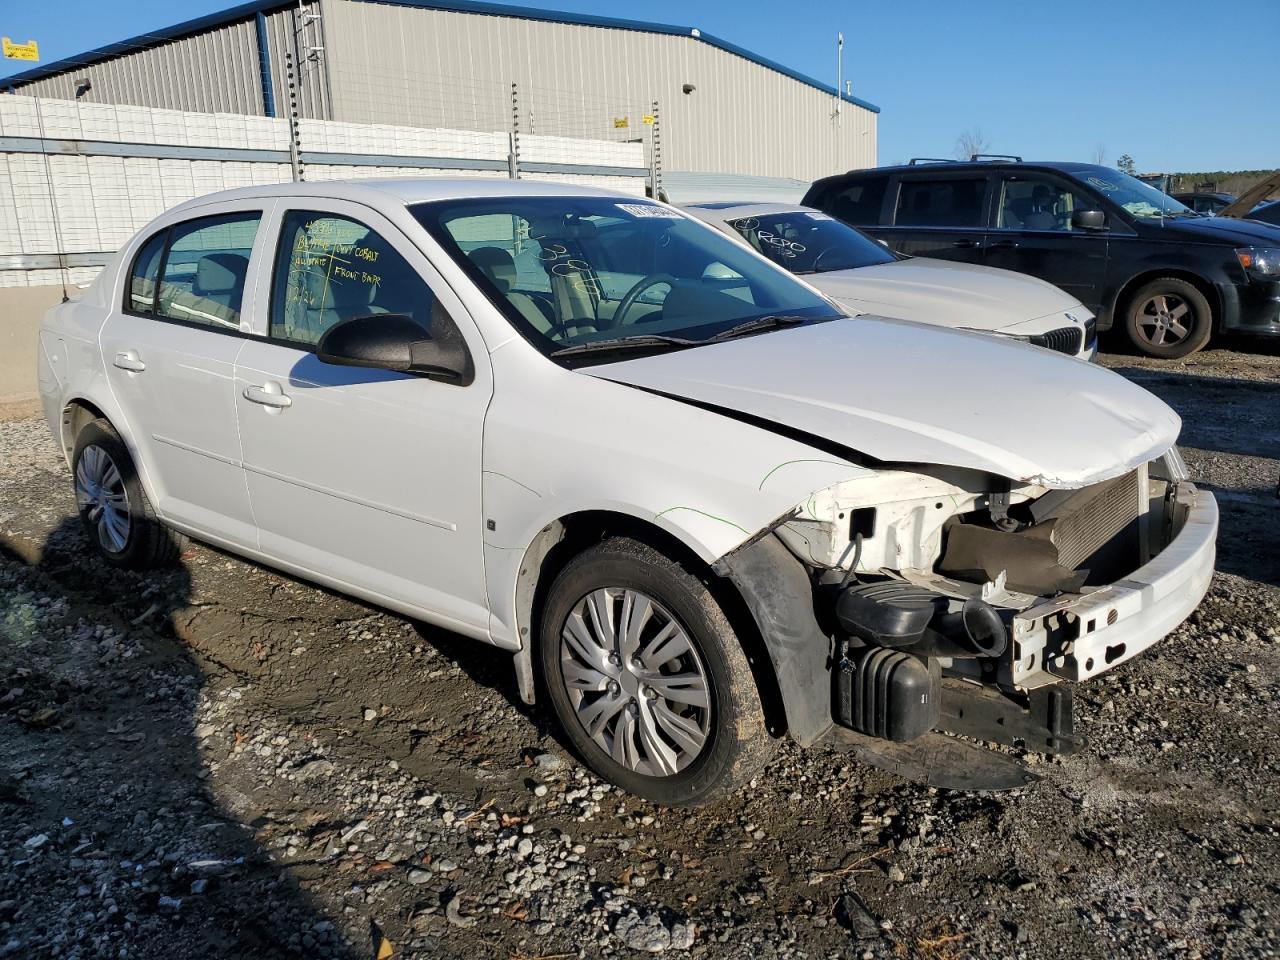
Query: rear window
[(941, 203), (855, 203)]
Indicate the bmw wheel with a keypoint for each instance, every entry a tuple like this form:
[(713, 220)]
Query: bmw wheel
[(112, 504), (647, 677)]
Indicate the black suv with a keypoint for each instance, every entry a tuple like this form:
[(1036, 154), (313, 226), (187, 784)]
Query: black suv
[(1138, 258)]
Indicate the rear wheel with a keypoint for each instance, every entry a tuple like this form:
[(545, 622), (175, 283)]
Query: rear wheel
[(1169, 318), (647, 676), (113, 506)]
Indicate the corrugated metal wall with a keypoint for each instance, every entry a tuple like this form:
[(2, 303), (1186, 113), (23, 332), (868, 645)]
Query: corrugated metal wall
[(398, 64), (212, 72), (282, 35), (215, 71)]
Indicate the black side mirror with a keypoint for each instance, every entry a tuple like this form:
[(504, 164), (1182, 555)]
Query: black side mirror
[(394, 341), (1089, 219)]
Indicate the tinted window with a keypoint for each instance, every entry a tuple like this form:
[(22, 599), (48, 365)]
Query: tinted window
[(858, 203), (141, 295), (1038, 203), (941, 203), (805, 241), (205, 268), (331, 268)]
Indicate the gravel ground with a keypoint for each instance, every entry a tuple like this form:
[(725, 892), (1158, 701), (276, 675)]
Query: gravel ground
[(222, 761)]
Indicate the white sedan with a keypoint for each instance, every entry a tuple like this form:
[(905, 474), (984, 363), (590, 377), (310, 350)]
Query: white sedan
[(667, 477), (866, 277)]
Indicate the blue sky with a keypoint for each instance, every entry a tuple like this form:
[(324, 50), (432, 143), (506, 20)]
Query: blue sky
[(1157, 79)]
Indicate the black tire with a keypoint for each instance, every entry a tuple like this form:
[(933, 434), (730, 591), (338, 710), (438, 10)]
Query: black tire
[(737, 742), (1156, 331), (147, 543)]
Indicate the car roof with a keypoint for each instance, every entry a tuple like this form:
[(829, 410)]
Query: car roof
[(978, 166), (725, 210), (409, 190)]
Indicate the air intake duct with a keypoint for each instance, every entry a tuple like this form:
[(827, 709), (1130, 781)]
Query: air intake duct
[(904, 616)]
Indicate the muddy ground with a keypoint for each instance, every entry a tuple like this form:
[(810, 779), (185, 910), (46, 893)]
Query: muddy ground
[(220, 761)]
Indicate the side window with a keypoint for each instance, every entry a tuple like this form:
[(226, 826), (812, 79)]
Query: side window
[(331, 268), (858, 203), (941, 203), (204, 268), (1037, 203), (141, 296)]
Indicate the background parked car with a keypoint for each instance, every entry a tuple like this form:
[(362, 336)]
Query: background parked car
[(1136, 257), (1267, 213), (869, 278), (1207, 203)]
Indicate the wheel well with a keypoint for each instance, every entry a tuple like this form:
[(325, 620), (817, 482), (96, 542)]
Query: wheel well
[(1125, 296), (75, 415), (579, 531)]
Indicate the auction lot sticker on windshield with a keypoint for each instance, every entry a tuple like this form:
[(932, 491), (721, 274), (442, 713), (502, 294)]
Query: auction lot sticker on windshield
[(651, 210)]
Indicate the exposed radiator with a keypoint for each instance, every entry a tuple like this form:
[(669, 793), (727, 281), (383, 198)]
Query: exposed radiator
[(1094, 516)]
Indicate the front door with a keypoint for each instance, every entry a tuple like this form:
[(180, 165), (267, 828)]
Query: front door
[(169, 349), (365, 477), (1035, 233)]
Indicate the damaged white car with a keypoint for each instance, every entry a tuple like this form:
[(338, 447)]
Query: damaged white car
[(701, 506)]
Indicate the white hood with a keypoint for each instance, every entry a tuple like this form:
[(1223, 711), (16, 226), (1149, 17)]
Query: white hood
[(948, 294), (910, 393)]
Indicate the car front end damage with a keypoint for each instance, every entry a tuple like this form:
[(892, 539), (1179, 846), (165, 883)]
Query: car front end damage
[(932, 599)]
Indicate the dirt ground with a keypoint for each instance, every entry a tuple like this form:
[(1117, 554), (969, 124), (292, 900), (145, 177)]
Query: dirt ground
[(220, 761)]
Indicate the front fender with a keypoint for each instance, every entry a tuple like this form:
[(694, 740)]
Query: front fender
[(779, 594)]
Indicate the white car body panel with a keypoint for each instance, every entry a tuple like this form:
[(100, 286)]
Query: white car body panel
[(938, 292), (902, 392), (413, 523)]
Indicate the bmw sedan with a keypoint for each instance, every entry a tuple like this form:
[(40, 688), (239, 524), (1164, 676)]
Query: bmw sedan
[(866, 277)]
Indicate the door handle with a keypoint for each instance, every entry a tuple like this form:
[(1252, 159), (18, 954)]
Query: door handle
[(128, 360), (967, 244), (268, 397), (1002, 245)]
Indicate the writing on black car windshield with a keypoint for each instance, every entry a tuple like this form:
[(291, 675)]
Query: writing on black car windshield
[(805, 241), (1140, 199), (570, 271)]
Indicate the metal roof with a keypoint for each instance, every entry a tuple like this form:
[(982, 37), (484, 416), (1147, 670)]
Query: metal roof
[(245, 10)]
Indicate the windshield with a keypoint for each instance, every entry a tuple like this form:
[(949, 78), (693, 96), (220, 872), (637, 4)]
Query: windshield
[(806, 241), (1140, 200), (632, 274)]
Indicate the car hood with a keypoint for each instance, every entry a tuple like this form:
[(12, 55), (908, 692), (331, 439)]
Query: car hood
[(903, 392), (946, 294), (1245, 233)]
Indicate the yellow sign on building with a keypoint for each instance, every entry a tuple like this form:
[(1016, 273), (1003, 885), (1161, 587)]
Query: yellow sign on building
[(620, 122), (20, 51)]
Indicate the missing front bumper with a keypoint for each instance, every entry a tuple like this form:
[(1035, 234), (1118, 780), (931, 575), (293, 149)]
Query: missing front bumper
[(1078, 637)]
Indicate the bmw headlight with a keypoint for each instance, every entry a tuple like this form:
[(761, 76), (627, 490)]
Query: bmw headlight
[(1261, 263)]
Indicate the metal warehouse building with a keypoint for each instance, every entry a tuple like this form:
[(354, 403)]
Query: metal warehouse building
[(703, 105)]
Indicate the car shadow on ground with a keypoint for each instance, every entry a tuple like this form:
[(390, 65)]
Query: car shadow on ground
[(109, 837)]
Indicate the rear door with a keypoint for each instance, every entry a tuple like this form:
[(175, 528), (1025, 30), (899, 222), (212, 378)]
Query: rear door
[(1034, 233), (169, 349), (364, 477), (938, 214)]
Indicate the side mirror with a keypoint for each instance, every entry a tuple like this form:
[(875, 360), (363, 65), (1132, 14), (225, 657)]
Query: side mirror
[(394, 341), (1089, 219)]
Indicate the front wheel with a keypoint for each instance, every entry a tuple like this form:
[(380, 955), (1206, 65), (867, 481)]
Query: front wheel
[(1169, 318), (647, 676)]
